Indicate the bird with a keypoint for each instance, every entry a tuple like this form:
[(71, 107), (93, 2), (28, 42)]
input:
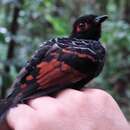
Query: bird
[(60, 63)]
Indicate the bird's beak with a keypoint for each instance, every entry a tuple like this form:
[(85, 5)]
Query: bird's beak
[(100, 19)]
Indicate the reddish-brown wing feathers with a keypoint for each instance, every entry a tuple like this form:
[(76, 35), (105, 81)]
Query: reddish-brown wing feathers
[(56, 73)]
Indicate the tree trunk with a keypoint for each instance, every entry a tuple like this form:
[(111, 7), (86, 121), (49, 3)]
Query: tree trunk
[(12, 44), (13, 32), (127, 11)]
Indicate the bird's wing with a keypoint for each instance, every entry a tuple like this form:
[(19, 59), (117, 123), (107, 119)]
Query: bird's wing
[(66, 62), (53, 69)]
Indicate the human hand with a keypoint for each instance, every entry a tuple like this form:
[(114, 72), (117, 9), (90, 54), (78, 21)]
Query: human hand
[(91, 109)]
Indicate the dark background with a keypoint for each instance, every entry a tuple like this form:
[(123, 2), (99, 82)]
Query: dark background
[(24, 24)]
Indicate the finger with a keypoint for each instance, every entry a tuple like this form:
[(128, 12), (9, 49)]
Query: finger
[(42, 102), (106, 104), (20, 115)]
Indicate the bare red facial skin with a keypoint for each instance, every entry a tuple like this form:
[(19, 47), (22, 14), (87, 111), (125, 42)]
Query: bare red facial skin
[(78, 29)]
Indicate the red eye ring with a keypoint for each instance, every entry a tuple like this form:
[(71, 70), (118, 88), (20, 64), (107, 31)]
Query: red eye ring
[(82, 27)]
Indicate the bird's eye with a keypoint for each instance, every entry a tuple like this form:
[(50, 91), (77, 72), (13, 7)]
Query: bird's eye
[(81, 27)]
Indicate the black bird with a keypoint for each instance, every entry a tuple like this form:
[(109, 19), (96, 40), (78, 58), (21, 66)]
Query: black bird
[(60, 63)]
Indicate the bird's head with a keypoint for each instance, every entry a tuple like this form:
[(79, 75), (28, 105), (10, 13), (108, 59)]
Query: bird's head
[(88, 27)]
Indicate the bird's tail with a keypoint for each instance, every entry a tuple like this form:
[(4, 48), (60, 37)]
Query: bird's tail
[(4, 107)]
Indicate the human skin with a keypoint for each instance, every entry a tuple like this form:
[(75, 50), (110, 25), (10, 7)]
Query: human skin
[(91, 109)]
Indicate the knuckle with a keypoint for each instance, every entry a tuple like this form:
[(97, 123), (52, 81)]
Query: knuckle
[(71, 95), (98, 96), (78, 95), (105, 99), (102, 93), (103, 96), (98, 93)]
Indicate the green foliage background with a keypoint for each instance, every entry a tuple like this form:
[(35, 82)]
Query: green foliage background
[(39, 20)]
